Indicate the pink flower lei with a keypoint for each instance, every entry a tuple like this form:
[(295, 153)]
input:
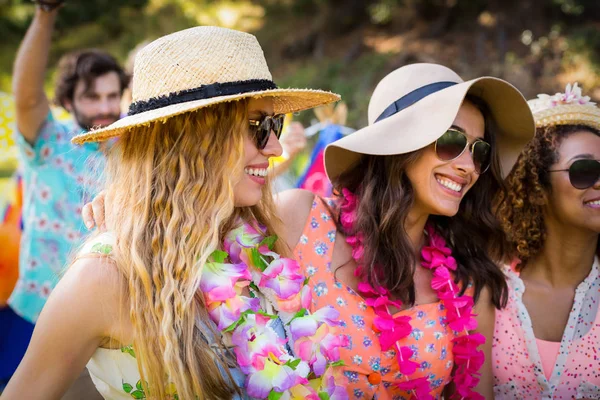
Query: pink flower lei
[(437, 257), (272, 372)]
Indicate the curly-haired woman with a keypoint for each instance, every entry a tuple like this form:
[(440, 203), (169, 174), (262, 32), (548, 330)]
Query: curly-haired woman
[(547, 338)]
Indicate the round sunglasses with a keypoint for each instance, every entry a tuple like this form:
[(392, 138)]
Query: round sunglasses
[(583, 174), (453, 143), (261, 129)]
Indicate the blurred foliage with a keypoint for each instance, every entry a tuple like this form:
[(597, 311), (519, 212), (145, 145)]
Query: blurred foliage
[(347, 45)]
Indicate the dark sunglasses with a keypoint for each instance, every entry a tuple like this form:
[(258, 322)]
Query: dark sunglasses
[(453, 143), (583, 174), (261, 129)]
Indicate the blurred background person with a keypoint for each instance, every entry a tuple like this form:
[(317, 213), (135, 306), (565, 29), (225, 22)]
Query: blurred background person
[(59, 177)]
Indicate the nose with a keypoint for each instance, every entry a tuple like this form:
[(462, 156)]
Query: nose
[(104, 106), (597, 184), (464, 163), (273, 147)]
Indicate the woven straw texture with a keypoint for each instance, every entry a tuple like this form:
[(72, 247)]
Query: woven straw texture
[(569, 114), (202, 56)]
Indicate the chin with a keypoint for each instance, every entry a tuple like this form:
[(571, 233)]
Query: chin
[(247, 199)]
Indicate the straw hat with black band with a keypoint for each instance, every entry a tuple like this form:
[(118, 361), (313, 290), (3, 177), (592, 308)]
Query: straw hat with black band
[(414, 105), (200, 67)]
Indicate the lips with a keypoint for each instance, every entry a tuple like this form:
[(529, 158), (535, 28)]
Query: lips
[(454, 184)]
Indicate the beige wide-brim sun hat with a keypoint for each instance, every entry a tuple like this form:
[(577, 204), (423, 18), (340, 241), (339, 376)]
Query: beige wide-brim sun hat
[(199, 67), (420, 103)]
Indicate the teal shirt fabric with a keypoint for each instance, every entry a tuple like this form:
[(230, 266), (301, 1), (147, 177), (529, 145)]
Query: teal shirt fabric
[(59, 178)]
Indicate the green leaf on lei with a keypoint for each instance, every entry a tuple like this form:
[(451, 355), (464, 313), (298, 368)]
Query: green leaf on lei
[(129, 350), (300, 313), (293, 364), (102, 248), (138, 394), (273, 395), (339, 363), (269, 242), (257, 259), (323, 396), (127, 387), (219, 256)]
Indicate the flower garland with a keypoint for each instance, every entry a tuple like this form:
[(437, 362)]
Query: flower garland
[(271, 371), (437, 257)]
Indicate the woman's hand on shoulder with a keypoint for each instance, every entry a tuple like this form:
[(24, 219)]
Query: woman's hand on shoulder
[(78, 316), (293, 207)]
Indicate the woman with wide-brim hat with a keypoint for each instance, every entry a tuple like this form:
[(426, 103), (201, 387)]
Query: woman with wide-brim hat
[(547, 338), (187, 270), (405, 252)]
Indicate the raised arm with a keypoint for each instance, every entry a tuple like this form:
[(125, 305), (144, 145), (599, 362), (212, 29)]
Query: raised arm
[(31, 103)]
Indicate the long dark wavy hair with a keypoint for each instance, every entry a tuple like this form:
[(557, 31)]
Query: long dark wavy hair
[(520, 208), (386, 197)]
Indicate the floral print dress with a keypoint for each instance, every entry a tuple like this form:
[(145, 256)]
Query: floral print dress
[(371, 373)]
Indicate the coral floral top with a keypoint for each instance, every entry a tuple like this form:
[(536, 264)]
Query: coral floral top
[(371, 373)]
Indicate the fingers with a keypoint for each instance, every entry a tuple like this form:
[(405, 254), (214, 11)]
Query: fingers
[(87, 215), (98, 211)]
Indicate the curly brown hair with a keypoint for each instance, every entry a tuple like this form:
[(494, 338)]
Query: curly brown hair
[(519, 210)]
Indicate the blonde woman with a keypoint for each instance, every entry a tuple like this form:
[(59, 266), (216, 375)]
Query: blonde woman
[(190, 163)]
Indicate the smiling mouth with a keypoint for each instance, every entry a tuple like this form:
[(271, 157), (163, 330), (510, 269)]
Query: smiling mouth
[(592, 203), (449, 184), (258, 172)]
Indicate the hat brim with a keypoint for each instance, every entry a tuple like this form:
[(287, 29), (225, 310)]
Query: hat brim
[(284, 101), (428, 119)]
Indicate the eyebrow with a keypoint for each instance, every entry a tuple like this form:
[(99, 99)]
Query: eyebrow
[(586, 156), (257, 113), (458, 128)]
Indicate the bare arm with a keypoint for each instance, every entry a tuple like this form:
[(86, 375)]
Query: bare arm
[(31, 103), (486, 315), (78, 315)]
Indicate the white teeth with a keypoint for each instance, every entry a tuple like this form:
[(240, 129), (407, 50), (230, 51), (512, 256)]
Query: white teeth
[(594, 203), (262, 172), (450, 184)]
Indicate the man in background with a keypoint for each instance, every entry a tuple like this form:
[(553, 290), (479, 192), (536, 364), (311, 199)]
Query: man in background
[(59, 177)]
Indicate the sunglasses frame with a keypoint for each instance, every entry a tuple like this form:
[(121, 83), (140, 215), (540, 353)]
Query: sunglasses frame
[(467, 145), (257, 124), (569, 171)]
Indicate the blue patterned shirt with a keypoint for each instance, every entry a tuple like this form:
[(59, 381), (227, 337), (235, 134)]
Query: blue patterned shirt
[(59, 178)]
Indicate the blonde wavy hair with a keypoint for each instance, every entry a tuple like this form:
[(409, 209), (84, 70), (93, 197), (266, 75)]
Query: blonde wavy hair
[(171, 186)]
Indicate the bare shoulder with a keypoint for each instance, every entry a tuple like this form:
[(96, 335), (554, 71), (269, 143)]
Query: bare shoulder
[(92, 289), (293, 207)]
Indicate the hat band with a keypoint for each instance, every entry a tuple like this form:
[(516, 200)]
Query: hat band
[(411, 98), (202, 92)]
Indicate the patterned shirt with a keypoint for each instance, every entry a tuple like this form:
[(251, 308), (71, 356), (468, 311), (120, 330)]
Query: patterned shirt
[(516, 357), (59, 178)]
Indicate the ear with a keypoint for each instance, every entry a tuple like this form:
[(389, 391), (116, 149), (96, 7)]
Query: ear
[(68, 105)]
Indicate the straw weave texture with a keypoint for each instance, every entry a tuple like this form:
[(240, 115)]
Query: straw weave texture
[(202, 56), (569, 114)]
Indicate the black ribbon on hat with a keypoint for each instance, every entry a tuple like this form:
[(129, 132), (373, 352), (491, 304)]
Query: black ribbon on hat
[(411, 98), (202, 92)]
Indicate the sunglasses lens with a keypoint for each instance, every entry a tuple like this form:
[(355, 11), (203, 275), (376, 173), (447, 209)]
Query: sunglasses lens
[(450, 145), (263, 130), (482, 154), (584, 174)]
